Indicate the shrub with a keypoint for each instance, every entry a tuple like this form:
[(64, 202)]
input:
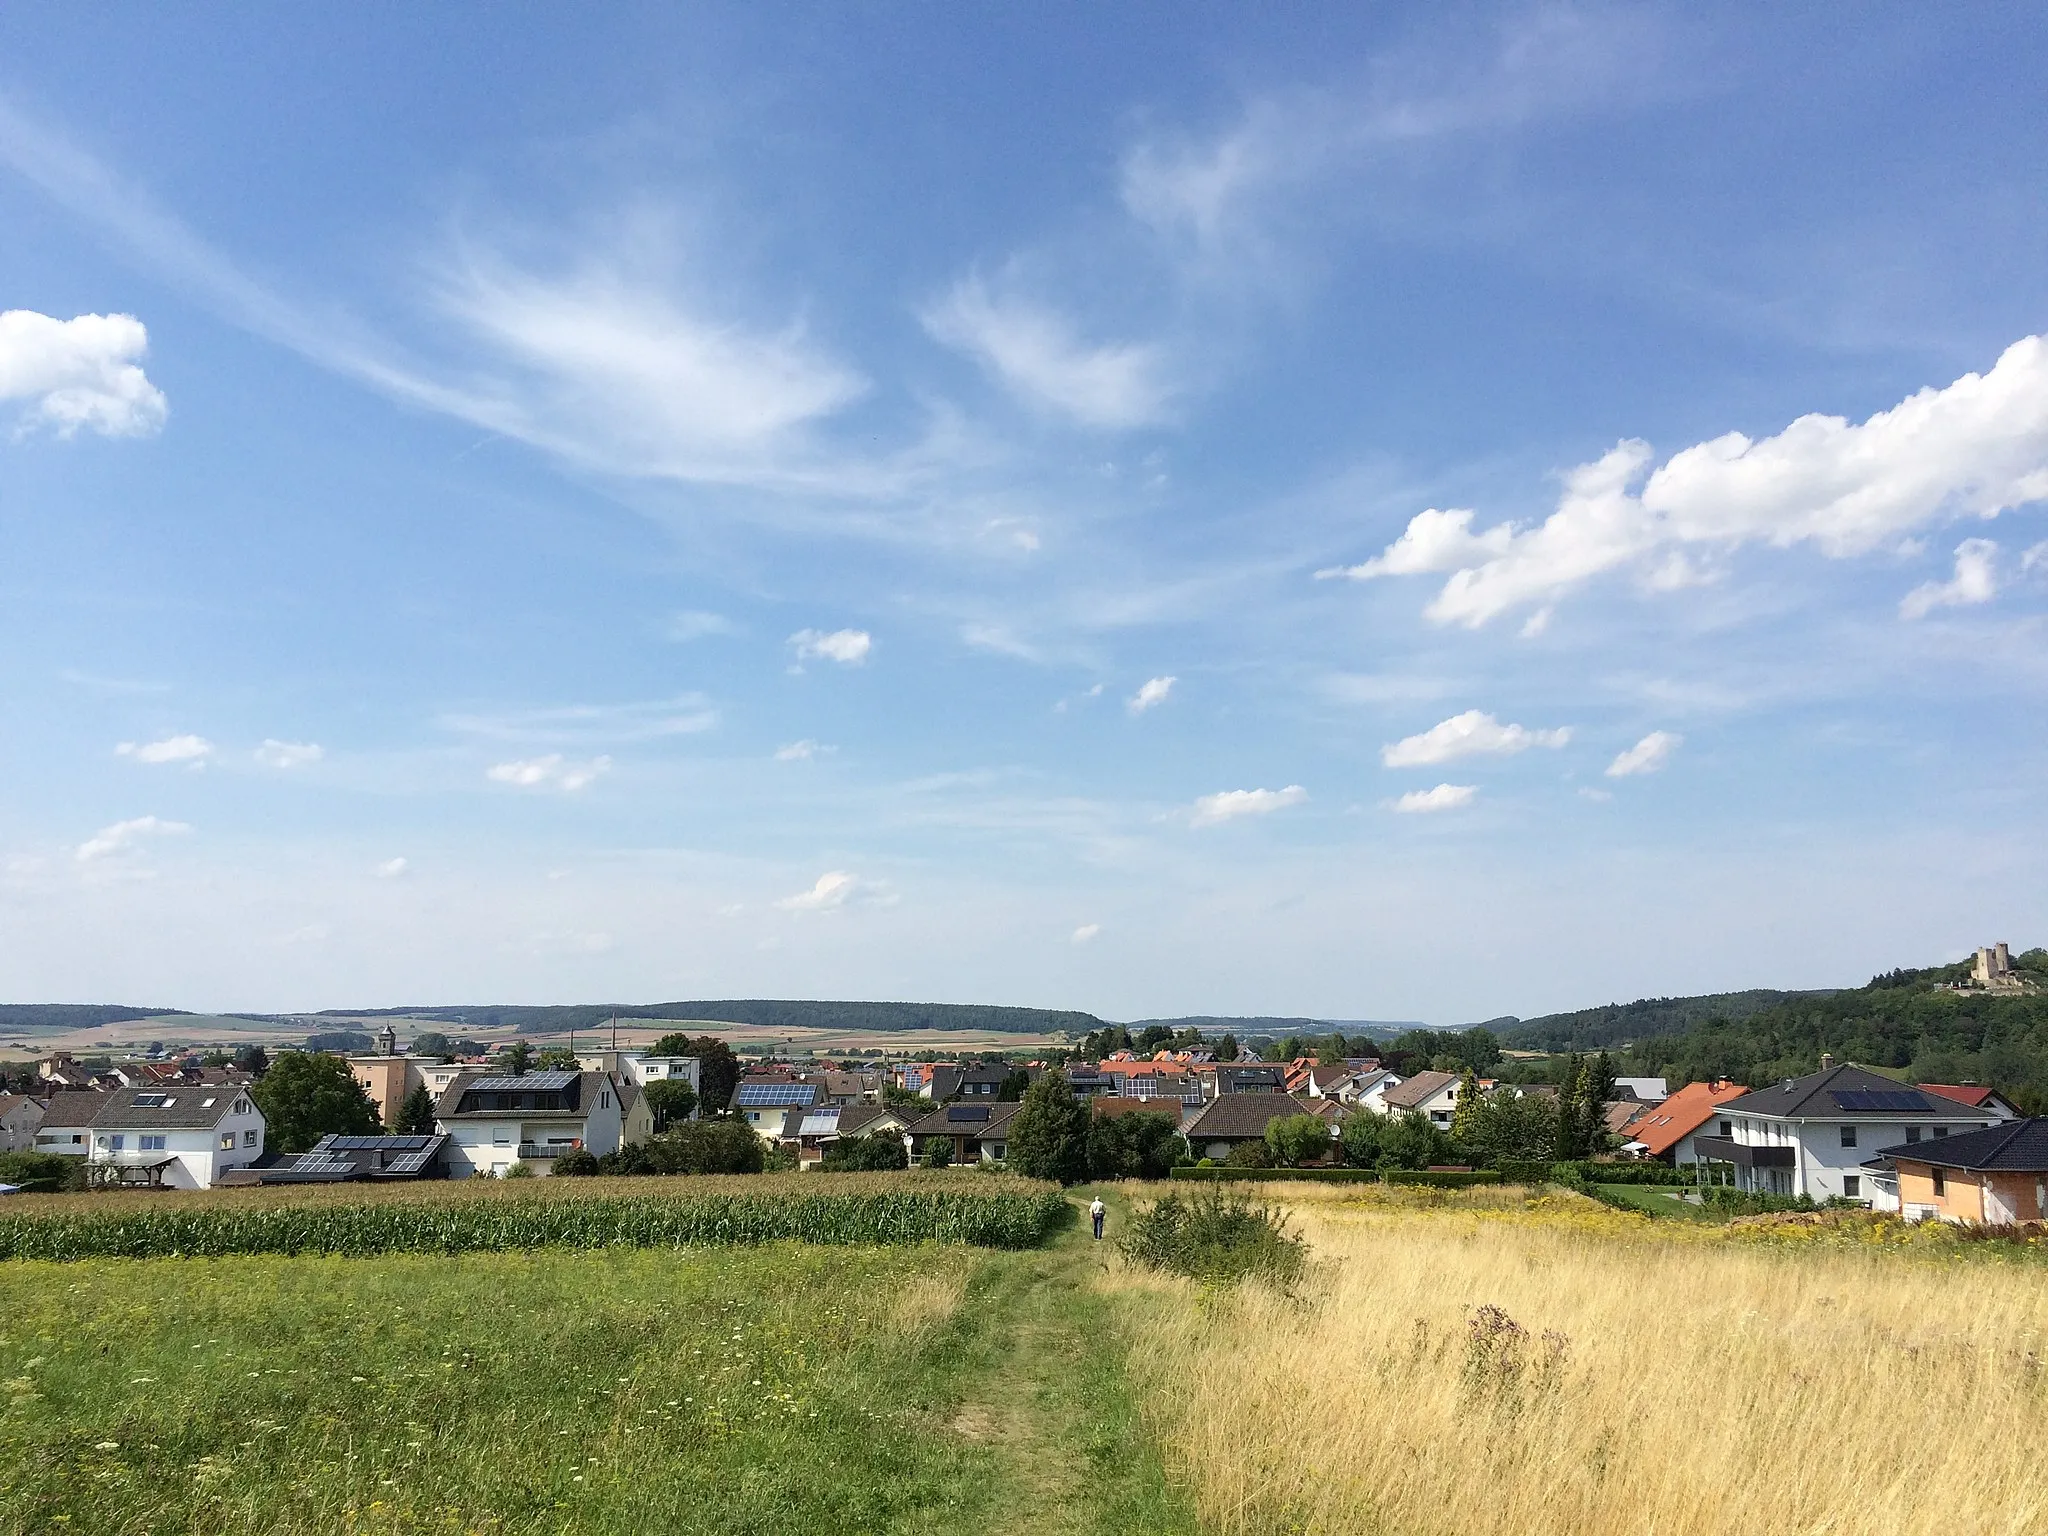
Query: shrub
[(1443, 1178), (517, 1171), (1297, 1139), (876, 1153), (1145, 1145), (669, 1102), (579, 1164), (42, 1173), (1215, 1235), (1736, 1202), (1249, 1154), (694, 1146), (1212, 1173), (938, 1152)]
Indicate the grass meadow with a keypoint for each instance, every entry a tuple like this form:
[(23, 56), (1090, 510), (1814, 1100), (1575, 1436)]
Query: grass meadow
[(1509, 1363)]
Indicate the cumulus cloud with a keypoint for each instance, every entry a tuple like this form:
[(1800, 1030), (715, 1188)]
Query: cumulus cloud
[(123, 835), (550, 772), (832, 890), (172, 749), (1445, 797), (391, 869), (78, 375), (802, 751), (1975, 581), (288, 754), (1474, 733), (1035, 353), (1153, 693), (1230, 804), (1973, 449), (1646, 756), (1086, 933), (848, 647)]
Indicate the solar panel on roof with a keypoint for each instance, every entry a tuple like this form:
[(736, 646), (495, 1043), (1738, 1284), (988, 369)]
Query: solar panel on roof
[(967, 1112), (541, 1082), (777, 1095), (1897, 1101)]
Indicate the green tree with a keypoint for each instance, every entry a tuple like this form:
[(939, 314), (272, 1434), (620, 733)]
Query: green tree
[(1013, 1087), (693, 1146), (253, 1059), (938, 1152), (1049, 1136), (516, 1058), (1297, 1139), (1144, 1145), (718, 1070), (434, 1043), (1412, 1141), (1360, 1137), (1567, 1143), (670, 1102), (879, 1153), (306, 1096), (1507, 1124), (557, 1058), (1226, 1048), (414, 1114), (1468, 1101)]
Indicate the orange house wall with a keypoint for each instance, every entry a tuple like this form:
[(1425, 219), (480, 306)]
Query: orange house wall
[(384, 1081), (1964, 1200)]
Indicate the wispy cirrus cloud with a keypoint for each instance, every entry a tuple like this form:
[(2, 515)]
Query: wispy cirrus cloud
[(1646, 756), (550, 772), (1976, 448), (1472, 734), (125, 835), (193, 751), (803, 751), (1235, 804), (637, 720), (289, 754), (83, 374)]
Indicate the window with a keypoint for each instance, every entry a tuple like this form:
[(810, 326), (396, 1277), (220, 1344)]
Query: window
[(151, 1100), (113, 1143), (150, 1143), (501, 1138), (227, 1141), (248, 1138), (1848, 1135), (1727, 1127), (1912, 1134), (1940, 1182), (1852, 1186), (1941, 1130)]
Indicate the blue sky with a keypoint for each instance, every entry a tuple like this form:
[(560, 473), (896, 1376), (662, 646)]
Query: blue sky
[(1379, 512)]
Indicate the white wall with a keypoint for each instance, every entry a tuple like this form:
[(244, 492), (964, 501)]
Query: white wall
[(199, 1157)]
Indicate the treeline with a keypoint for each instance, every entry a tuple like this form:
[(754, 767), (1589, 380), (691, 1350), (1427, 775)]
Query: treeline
[(1618, 1024), (879, 1017), (1903, 1020), (27, 1016)]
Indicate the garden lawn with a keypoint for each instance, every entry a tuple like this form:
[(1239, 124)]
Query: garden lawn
[(1657, 1200), (780, 1388)]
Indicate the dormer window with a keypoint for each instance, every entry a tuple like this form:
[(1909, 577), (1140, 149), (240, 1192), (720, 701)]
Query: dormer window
[(151, 1100)]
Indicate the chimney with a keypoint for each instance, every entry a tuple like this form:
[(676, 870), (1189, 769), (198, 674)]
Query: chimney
[(1827, 1060)]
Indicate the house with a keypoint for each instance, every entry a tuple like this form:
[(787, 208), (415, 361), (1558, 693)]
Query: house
[(1995, 1176), (765, 1104), (20, 1118), (1668, 1132), (977, 1132), (844, 1088), (1812, 1135), (1088, 1080), (1976, 1095), (493, 1121), (1643, 1090), (60, 1071), (809, 1132), (1618, 1117), (66, 1126), (1244, 1077), (1232, 1119), (1434, 1094), (347, 1159), (1319, 1081), (636, 1115), (1366, 1089), (984, 1081), (175, 1138)]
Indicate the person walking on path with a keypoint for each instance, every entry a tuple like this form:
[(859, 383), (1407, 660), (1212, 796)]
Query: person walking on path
[(1096, 1211)]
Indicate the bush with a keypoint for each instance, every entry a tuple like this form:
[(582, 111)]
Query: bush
[(1443, 1178), (1736, 1202), (938, 1152), (1297, 1139), (579, 1164), (877, 1153), (1145, 1145), (1216, 1235), (1249, 1154), (42, 1173), (517, 1171), (1631, 1173), (1212, 1173), (694, 1146), (1524, 1170)]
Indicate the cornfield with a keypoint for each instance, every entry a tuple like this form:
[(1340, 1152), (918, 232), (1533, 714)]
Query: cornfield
[(466, 1218)]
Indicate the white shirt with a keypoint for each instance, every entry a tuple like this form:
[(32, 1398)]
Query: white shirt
[(1095, 1209)]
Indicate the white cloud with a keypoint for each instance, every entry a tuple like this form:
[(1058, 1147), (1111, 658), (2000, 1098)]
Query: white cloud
[(694, 624), (1646, 756), (1445, 797), (123, 835), (1233, 803), (288, 754), (1086, 933), (79, 374), (641, 720), (391, 869), (1974, 449), (551, 771), (833, 889), (2037, 555), (172, 749), (1152, 694), (1468, 735), (848, 647), (1975, 581), (802, 751), (1035, 352)]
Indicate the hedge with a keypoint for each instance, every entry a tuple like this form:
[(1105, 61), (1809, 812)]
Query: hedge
[(1441, 1177)]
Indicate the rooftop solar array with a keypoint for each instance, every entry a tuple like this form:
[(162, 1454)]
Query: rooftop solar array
[(967, 1112), (416, 1162), (777, 1095), (1898, 1101), (532, 1082), (373, 1143), (820, 1122)]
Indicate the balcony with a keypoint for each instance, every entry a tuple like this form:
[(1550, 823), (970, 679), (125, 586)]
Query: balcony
[(1725, 1149), (541, 1151)]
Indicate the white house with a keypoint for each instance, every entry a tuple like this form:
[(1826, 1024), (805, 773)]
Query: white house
[(1434, 1094), (181, 1137), (1368, 1089), (766, 1106), (1812, 1135), (494, 1121), (644, 1069), (66, 1125)]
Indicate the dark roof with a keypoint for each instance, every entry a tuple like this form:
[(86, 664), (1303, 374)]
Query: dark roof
[(72, 1109), (2018, 1146), (1835, 1092), (965, 1120), (1421, 1086), (857, 1119), (338, 1159), (985, 1073), (526, 1082), (469, 1096), (186, 1106), (1243, 1115)]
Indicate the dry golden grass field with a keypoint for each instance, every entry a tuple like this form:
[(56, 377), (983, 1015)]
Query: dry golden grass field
[(1631, 1378)]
